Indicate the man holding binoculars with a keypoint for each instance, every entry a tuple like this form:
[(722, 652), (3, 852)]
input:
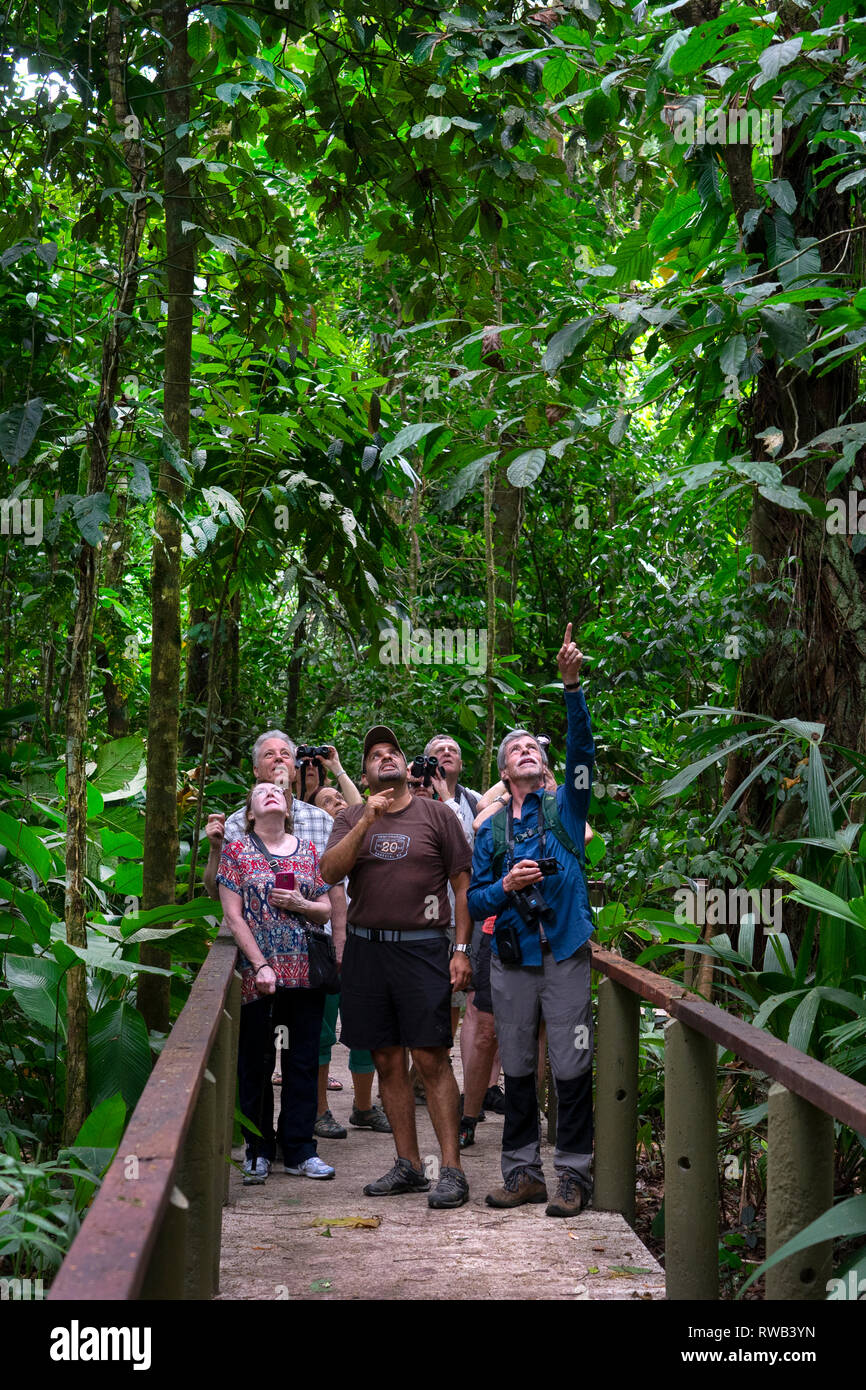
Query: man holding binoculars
[(527, 870)]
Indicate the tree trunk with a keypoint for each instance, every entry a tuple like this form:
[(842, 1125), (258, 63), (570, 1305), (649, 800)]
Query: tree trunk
[(293, 688), (161, 837), (198, 656), (75, 904)]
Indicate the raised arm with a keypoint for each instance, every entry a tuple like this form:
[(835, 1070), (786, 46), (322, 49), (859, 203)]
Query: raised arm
[(339, 859), (579, 747)]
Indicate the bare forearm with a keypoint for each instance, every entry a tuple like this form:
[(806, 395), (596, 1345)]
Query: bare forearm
[(339, 913), (317, 910), (211, 869), (337, 862)]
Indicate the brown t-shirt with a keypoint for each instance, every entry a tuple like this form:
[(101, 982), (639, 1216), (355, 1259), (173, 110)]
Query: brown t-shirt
[(400, 877)]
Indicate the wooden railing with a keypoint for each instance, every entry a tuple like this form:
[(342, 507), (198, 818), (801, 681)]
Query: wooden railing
[(153, 1231), (804, 1100)]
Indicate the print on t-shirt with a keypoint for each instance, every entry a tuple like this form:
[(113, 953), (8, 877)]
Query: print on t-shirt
[(390, 846)]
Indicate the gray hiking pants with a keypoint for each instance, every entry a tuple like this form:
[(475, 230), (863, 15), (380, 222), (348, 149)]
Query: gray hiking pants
[(558, 992)]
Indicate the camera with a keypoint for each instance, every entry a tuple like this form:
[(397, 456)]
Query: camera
[(305, 750), (426, 768), (548, 866)]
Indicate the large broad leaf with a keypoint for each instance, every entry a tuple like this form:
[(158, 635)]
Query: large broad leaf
[(18, 429), (103, 1128), (523, 471), (406, 438), (688, 774), (33, 909), (465, 481), (820, 816), (179, 912), (21, 841), (118, 762), (846, 1220), (39, 987), (821, 899), (787, 328), (563, 343), (91, 514), (776, 57), (118, 1053)]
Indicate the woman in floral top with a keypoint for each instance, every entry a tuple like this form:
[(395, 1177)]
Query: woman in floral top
[(268, 926)]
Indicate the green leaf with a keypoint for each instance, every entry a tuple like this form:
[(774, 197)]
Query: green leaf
[(91, 514), (118, 1053), (103, 1128), (118, 762), (179, 912), (733, 355), (39, 987), (523, 471), (406, 438), (846, 1220), (558, 72), (465, 480), (787, 327), (782, 194), (776, 57), (563, 343), (21, 841), (18, 429)]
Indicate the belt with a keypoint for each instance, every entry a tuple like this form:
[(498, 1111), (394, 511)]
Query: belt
[(379, 934)]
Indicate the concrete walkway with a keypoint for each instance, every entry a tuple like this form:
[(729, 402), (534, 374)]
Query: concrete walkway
[(271, 1248)]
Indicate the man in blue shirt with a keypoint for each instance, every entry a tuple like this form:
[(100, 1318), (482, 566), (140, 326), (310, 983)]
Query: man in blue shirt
[(541, 958)]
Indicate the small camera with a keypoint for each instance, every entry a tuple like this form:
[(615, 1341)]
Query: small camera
[(548, 866)]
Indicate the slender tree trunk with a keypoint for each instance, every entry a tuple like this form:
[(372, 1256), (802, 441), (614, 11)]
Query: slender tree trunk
[(231, 709), (161, 837), (293, 689), (198, 659), (75, 905), (490, 571)]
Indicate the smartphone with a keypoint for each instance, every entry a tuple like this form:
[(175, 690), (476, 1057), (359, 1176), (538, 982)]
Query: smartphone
[(284, 880)]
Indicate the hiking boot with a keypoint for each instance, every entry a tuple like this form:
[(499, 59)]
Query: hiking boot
[(374, 1118), (467, 1131), (494, 1099), (571, 1197), (520, 1186), (326, 1127), (402, 1178), (478, 1118), (452, 1189), (254, 1176), (310, 1168)]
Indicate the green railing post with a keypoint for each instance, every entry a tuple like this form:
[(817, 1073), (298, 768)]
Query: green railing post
[(165, 1273), (616, 1099), (691, 1166), (197, 1181), (799, 1189)]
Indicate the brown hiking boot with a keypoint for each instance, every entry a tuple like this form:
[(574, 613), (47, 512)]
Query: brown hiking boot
[(519, 1187), (571, 1197)]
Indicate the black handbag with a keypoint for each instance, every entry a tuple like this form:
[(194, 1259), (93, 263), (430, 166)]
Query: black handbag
[(321, 956)]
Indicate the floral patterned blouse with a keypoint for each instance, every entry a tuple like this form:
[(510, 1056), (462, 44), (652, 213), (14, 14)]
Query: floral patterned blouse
[(279, 935)]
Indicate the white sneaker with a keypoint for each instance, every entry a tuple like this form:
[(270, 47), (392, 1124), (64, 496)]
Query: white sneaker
[(253, 1177), (311, 1168)]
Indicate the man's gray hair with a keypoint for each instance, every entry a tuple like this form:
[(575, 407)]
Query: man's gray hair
[(440, 738), (509, 738), (263, 738)]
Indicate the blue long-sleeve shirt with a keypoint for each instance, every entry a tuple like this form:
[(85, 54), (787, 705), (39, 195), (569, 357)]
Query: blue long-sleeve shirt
[(565, 892)]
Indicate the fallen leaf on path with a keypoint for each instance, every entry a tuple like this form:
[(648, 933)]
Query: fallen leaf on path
[(600, 1248), (320, 1285), (362, 1223), (593, 1269), (621, 1270)]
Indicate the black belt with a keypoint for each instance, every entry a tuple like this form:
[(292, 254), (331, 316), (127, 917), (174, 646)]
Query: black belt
[(380, 934)]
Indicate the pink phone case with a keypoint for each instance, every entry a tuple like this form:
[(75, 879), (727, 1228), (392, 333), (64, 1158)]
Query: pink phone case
[(284, 880)]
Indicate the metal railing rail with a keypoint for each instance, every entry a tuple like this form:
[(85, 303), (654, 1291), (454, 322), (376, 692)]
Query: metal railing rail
[(153, 1231), (803, 1101)]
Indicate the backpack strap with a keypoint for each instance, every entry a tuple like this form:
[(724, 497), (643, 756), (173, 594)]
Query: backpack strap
[(471, 799), (552, 822)]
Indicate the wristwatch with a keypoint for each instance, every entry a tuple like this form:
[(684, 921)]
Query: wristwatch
[(463, 949)]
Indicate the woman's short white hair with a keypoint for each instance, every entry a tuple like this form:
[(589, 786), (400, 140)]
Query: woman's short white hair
[(263, 738)]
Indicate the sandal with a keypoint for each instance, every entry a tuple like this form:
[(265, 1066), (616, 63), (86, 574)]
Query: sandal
[(334, 1084)]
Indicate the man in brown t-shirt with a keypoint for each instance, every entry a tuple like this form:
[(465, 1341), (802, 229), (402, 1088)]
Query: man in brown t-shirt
[(400, 853)]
